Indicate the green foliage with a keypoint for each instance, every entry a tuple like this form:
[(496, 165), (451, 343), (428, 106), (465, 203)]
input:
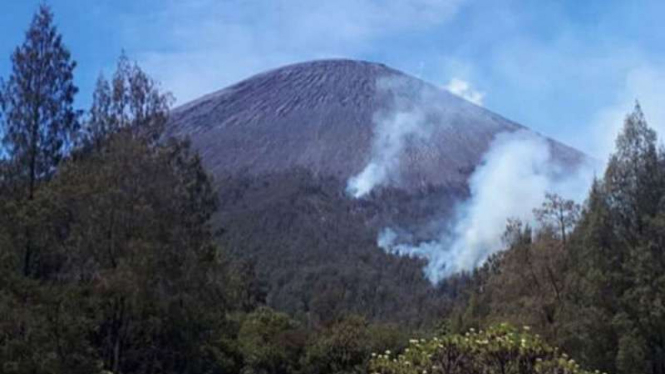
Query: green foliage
[(36, 102), (500, 349), (270, 342), (39, 121), (342, 348), (44, 329), (123, 273), (345, 346), (621, 256), (132, 101)]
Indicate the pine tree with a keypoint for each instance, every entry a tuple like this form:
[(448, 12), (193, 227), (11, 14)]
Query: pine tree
[(619, 258), (37, 102), (37, 106), (633, 179)]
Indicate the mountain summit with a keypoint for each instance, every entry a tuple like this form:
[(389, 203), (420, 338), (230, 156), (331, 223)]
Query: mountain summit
[(326, 116)]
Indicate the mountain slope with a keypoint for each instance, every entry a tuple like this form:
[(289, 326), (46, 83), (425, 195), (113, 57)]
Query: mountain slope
[(324, 116), (282, 146)]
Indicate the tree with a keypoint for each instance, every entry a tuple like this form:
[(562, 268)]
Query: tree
[(635, 187), (37, 102), (342, 348), (37, 106), (634, 182), (270, 342), (616, 276), (559, 213), (132, 102), (128, 277), (137, 206)]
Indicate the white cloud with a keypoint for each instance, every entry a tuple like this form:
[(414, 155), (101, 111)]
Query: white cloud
[(463, 89)]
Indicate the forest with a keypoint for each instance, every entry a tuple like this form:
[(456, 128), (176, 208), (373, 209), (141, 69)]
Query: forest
[(116, 257)]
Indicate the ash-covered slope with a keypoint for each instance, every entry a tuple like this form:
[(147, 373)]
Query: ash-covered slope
[(324, 116)]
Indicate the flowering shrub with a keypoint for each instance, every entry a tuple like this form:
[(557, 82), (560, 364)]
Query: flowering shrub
[(501, 349)]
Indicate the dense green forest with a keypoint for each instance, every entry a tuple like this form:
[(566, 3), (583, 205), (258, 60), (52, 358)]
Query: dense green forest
[(115, 256)]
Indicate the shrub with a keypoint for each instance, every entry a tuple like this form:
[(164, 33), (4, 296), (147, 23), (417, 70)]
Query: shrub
[(502, 349)]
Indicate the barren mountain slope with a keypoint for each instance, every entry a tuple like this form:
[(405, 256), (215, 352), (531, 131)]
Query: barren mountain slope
[(324, 116)]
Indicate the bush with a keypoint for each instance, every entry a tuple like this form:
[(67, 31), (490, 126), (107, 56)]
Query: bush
[(501, 349)]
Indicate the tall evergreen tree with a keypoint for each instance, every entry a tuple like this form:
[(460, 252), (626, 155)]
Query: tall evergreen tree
[(618, 258), (633, 179), (39, 119), (37, 102)]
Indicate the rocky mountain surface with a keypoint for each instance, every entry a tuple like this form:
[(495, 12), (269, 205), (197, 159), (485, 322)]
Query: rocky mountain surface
[(324, 116)]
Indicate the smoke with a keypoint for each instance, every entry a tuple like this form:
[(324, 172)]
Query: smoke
[(390, 139), (514, 175), (463, 89), (513, 178), (393, 130)]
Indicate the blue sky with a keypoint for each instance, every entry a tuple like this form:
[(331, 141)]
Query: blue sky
[(568, 69)]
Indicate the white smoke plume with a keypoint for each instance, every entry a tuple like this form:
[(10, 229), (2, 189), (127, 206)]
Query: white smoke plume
[(392, 131), (390, 138), (464, 90), (513, 178)]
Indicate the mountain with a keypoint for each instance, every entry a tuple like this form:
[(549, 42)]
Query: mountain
[(323, 115), (282, 146)]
